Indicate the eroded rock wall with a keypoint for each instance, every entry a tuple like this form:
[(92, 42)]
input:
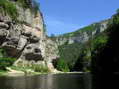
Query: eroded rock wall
[(25, 38), (82, 35)]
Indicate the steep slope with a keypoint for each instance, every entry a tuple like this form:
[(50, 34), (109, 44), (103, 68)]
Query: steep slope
[(75, 47), (105, 56), (82, 35), (22, 34)]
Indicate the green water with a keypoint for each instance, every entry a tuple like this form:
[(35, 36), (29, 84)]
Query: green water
[(49, 81)]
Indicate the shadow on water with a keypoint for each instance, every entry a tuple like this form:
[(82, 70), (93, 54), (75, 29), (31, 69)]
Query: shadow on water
[(50, 81)]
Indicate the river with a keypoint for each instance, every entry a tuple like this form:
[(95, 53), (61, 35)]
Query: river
[(47, 81)]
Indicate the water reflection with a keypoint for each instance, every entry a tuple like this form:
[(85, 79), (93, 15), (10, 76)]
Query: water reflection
[(50, 81)]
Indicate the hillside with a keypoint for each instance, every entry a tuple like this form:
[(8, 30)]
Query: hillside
[(76, 48), (105, 56)]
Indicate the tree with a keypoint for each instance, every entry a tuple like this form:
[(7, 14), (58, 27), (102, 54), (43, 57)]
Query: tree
[(117, 11), (52, 35), (62, 65)]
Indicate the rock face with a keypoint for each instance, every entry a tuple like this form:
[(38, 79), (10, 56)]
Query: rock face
[(82, 35), (75, 47), (25, 38)]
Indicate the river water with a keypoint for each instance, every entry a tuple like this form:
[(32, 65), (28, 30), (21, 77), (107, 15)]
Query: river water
[(48, 81)]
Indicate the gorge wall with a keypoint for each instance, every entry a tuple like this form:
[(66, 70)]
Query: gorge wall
[(75, 47), (22, 34), (88, 48), (105, 56), (82, 35)]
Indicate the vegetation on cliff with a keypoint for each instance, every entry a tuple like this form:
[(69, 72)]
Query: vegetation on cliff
[(105, 59), (10, 7), (62, 65), (5, 61), (11, 30), (73, 57), (79, 56)]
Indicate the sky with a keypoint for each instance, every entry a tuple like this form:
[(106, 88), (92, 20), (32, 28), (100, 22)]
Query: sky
[(63, 16)]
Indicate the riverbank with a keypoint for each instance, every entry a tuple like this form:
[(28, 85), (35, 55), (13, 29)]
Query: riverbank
[(3, 73), (12, 72)]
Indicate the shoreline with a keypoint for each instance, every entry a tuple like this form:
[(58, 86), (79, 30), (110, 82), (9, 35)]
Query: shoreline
[(7, 74)]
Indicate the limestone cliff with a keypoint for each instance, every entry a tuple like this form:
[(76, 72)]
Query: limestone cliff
[(75, 47), (82, 35), (23, 37)]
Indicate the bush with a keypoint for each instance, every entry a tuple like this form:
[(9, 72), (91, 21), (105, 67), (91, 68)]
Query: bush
[(117, 11), (70, 53), (23, 3), (6, 62), (9, 8), (99, 41), (62, 66), (32, 4), (33, 67), (39, 68)]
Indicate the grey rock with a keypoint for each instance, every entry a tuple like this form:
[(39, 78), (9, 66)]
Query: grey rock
[(25, 39), (3, 25)]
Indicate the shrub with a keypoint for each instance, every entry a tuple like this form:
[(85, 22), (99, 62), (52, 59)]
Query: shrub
[(6, 62), (39, 68), (33, 67), (62, 66), (99, 41), (32, 4), (9, 8), (117, 11), (23, 3), (70, 53)]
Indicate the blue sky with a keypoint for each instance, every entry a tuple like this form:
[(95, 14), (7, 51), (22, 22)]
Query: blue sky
[(62, 16)]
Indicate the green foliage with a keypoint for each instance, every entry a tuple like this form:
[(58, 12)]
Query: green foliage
[(70, 52), (87, 29), (62, 66), (3, 73), (32, 4), (9, 8), (19, 68), (40, 68), (23, 3), (116, 19), (75, 54), (117, 11), (81, 54), (1, 52), (6, 62), (35, 67), (99, 41), (107, 57)]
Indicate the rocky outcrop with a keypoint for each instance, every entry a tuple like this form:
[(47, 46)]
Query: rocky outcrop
[(25, 38), (82, 35), (75, 47)]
